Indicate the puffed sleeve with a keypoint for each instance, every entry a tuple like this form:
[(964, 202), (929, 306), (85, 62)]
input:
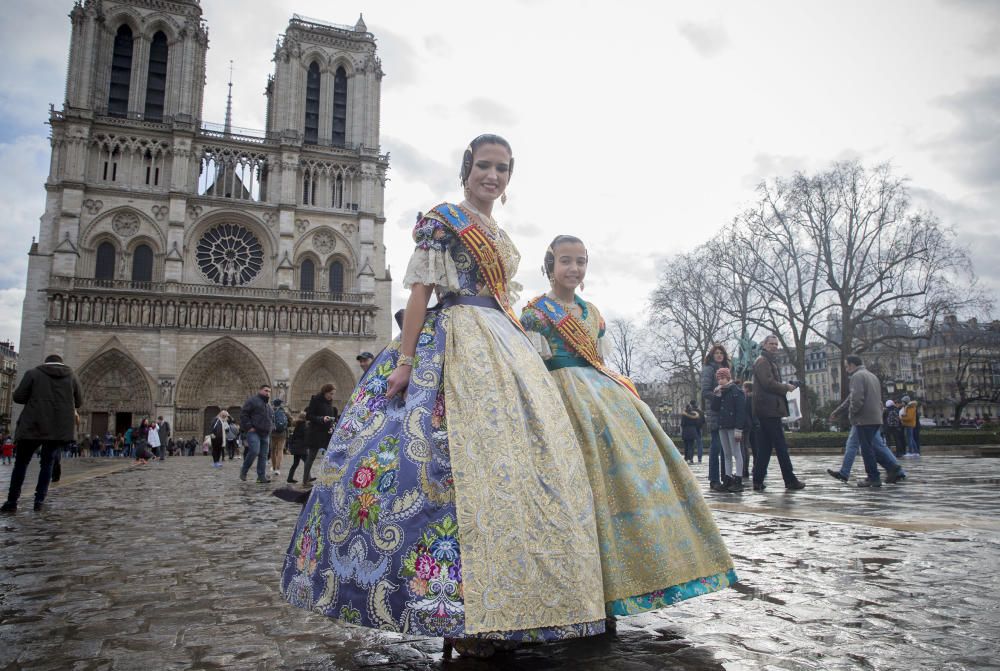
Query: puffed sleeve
[(536, 326), (431, 261)]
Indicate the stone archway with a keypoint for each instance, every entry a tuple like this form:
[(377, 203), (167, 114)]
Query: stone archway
[(322, 367), (114, 386), (223, 374)]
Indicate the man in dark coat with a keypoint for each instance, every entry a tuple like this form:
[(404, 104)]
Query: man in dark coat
[(769, 406), (257, 422), (50, 395)]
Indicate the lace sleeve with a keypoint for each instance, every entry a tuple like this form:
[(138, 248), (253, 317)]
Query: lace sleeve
[(431, 262)]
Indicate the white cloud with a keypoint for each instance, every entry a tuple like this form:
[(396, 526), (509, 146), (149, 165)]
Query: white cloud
[(709, 38), (10, 314), (23, 168)]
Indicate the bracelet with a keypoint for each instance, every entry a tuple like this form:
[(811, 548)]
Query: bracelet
[(404, 360)]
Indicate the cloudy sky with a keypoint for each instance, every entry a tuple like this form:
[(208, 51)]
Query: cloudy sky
[(641, 127)]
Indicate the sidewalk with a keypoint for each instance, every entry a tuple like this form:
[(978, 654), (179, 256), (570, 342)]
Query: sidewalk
[(175, 565)]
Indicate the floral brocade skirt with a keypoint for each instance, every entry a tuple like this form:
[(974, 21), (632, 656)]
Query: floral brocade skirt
[(463, 511), (659, 543)]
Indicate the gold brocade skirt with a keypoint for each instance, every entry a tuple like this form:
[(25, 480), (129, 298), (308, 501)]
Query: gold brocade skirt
[(525, 510), (656, 532)]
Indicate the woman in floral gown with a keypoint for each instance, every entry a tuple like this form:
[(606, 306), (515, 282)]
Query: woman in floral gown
[(659, 544), (450, 501)]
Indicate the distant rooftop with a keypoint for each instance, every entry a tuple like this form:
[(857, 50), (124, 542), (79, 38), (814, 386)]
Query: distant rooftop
[(359, 27)]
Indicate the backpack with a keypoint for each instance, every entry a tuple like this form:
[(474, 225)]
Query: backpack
[(280, 421), (892, 419)]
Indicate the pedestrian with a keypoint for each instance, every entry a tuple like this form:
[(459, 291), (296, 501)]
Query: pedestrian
[(50, 395), (365, 361), (163, 428), (865, 412), (257, 422), (770, 405), (278, 436), (892, 427), (730, 404), (95, 446), (220, 436), (322, 418), (689, 431), (908, 418), (7, 449), (628, 457), (479, 508), (154, 442), (749, 430), (716, 358), (298, 445), (128, 438)]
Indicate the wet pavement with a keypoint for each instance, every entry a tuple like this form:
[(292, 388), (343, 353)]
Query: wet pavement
[(175, 565)]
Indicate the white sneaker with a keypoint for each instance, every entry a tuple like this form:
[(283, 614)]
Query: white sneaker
[(277, 472)]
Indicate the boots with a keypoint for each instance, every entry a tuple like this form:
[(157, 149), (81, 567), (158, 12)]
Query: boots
[(735, 485)]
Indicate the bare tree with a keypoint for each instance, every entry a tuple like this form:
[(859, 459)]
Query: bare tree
[(624, 337), (877, 256), (686, 316)]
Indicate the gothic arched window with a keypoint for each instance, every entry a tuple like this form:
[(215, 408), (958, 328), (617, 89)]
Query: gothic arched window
[(142, 264), (156, 86), (307, 276), (336, 277), (312, 104), (340, 107), (121, 73), (104, 269), (338, 192)]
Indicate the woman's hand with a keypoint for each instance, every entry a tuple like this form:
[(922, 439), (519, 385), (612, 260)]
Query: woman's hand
[(398, 381)]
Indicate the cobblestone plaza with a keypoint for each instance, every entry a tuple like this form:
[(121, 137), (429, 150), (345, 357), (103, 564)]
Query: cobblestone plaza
[(175, 565)]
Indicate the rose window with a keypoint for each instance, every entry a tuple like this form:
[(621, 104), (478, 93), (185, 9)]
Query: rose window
[(229, 255)]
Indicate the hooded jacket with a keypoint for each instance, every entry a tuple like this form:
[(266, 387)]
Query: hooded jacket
[(50, 394)]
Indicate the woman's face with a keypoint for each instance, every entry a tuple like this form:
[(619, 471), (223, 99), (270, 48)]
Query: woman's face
[(329, 395), (490, 174), (570, 265), (718, 355)]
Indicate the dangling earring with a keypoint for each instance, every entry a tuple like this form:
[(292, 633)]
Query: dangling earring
[(503, 198), (581, 286)]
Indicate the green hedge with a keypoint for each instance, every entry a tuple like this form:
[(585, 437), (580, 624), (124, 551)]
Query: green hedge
[(834, 439)]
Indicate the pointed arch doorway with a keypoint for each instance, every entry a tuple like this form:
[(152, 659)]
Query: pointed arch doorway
[(322, 367)]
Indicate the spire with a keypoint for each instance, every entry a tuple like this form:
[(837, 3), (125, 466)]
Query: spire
[(229, 102), (360, 26)]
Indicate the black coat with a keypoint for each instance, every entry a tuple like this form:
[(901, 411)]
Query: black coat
[(50, 394), (297, 444), (319, 432)]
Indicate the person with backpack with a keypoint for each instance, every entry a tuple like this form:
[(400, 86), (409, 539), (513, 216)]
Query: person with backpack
[(892, 427), (278, 435)]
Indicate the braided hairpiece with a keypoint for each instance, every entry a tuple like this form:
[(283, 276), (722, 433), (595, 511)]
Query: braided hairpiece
[(485, 138)]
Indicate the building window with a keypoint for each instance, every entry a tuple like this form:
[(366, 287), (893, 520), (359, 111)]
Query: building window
[(229, 255), (336, 277), (307, 276), (338, 192), (121, 73), (142, 264), (340, 107), (312, 104), (104, 269), (156, 86)]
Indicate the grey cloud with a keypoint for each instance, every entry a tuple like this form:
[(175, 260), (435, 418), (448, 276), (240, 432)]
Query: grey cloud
[(768, 166), (709, 38), (491, 112), (35, 38), (398, 56), (988, 15), (973, 148), (411, 165), (23, 168), (438, 46)]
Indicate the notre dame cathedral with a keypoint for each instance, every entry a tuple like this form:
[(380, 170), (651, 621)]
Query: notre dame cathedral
[(180, 264)]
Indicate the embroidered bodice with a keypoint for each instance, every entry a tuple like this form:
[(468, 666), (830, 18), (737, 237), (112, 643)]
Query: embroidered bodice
[(561, 356)]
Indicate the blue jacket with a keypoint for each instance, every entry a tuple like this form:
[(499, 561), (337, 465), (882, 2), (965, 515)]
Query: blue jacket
[(256, 413), (732, 408)]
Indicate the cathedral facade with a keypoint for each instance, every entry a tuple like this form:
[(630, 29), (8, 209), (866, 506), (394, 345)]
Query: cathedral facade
[(181, 264)]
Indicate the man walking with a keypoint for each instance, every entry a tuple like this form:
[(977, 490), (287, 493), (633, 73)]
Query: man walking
[(257, 422), (50, 394), (865, 413), (769, 406), (883, 455)]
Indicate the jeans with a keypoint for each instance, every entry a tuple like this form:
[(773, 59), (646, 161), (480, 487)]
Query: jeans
[(732, 462), (867, 434), (689, 449), (715, 457), (23, 454), (771, 436), (883, 455), (256, 448), (912, 447), (701, 445)]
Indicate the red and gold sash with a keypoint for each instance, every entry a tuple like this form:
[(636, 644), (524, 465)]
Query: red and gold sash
[(577, 340), (483, 251)]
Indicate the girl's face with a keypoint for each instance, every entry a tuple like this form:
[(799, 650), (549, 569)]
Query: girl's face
[(570, 265), (719, 355), (490, 174)]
